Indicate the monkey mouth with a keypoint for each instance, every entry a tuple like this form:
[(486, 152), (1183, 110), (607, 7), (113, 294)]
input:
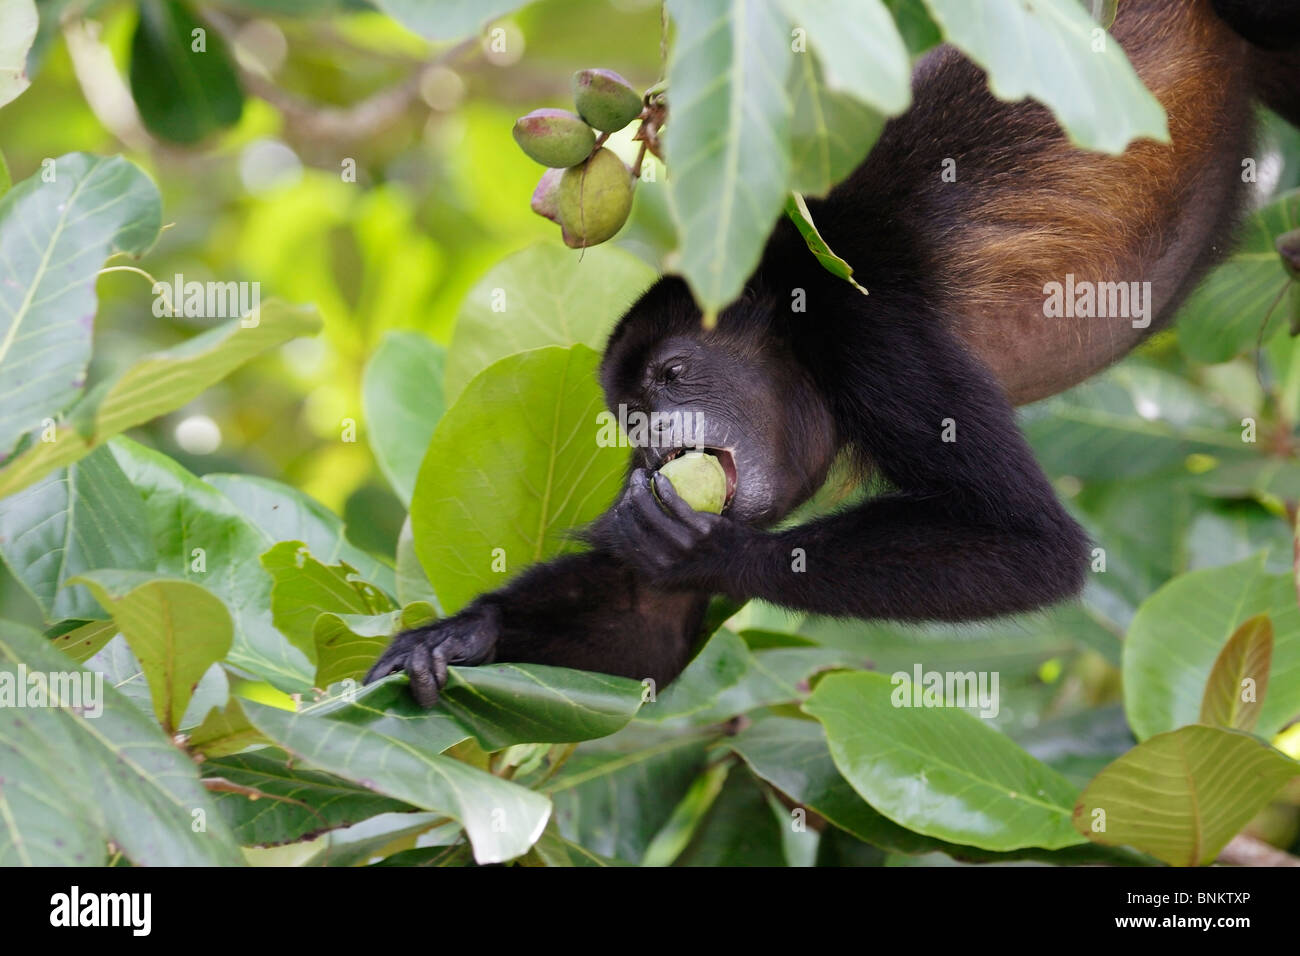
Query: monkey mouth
[(725, 458)]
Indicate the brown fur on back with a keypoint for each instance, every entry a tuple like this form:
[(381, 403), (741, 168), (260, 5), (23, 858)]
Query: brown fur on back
[(1038, 208)]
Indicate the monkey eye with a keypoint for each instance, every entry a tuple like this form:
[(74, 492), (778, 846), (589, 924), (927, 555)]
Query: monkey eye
[(670, 373)]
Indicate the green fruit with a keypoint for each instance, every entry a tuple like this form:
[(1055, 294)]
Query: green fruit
[(555, 138), (594, 199), (546, 195), (605, 100), (698, 480), (1288, 247)]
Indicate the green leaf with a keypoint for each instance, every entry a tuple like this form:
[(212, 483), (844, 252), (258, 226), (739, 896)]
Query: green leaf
[(1182, 795), (504, 704), (501, 819), (411, 582), (286, 514), (740, 829), (53, 239), (675, 835), (1045, 50), (6, 180), (797, 211), (1246, 657), (304, 588), (1224, 317), (224, 731), (512, 469), (1180, 630), (18, 23), (553, 850), (75, 519), (291, 803), (200, 535), (830, 133), (542, 295), (938, 770), (860, 47), (1129, 422), (153, 385), (446, 19), (387, 709), (347, 644), (176, 629), (793, 756), (84, 642), (729, 148), (76, 779), (401, 398), (614, 796), (183, 94), (720, 664)]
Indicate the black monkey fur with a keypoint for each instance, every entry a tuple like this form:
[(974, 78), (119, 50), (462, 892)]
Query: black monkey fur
[(951, 337)]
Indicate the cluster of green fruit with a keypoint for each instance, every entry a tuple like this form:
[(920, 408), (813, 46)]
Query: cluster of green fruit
[(587, 190)]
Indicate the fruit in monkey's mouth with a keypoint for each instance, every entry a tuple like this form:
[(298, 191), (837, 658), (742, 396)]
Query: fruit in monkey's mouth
[(699, 479)]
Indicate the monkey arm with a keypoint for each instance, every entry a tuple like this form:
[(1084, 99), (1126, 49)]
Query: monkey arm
[(586, 611)]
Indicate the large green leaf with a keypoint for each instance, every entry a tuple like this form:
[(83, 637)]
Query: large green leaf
[(387, 709), (1132, 421), (183, 94), (729, 146), (54, 236), (1225, 316), (513, 467), (501, 819), (830, 132), (75, 779), (177, 630), (200, 535), (287, 514), (401, 397), (446, 19), (740, 828), (504, 704), (940, 771), (1182, 795), (794, 757), (75, 519), (304, 589), (290, 803), (613, 797), (1179, 631), (156, 384), (1045, 50), (1239, 678), (858, 43), (18, 23), (542, 295)]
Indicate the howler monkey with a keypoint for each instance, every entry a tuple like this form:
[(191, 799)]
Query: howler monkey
[(951, 337)]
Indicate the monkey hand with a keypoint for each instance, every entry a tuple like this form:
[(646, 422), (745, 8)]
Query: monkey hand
[(655, 532), (469, 637)]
